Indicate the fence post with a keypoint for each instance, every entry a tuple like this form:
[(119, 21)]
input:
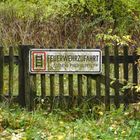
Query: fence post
[(25, 81), (1, 71), (107, 79), (21, 86)]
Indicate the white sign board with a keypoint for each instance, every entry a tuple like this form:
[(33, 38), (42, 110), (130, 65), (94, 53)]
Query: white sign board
[(65, 61)]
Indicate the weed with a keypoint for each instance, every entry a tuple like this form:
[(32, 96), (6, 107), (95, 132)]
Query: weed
[(17, 123)]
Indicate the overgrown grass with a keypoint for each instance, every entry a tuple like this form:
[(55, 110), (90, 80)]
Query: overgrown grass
[(18, 124)]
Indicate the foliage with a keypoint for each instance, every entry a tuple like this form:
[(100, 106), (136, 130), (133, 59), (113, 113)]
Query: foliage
[(78, 22), (18, 124)]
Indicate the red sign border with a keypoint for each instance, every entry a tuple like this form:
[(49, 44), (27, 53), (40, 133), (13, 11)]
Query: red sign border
[(33, 62)]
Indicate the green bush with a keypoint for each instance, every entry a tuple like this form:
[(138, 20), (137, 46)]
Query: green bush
[(78, 22)]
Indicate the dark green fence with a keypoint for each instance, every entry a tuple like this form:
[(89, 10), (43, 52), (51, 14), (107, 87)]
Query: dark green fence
[(113, 86)]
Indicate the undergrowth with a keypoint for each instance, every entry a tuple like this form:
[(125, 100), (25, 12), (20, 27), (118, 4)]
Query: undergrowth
[(18, 124)]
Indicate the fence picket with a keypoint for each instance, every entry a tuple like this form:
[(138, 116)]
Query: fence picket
[(70, 85), (43, 86), (126, 92), (89, 86), (80, 89), (61, 90), (98, 88), (33, 90), (1, 72), (116, 74), (52, 89), (11, 70), (89, 83), (107, 79), (135, 74), (80, 81)]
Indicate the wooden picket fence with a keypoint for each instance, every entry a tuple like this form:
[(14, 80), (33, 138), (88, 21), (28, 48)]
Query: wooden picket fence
[(106, 88)]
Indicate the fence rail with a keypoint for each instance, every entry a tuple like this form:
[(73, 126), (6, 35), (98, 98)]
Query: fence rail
[(81, 89), (120, 59)]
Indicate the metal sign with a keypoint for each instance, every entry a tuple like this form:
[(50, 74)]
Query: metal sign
[(65, 61)]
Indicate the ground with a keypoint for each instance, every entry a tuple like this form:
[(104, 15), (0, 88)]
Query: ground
[(18, 124)]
